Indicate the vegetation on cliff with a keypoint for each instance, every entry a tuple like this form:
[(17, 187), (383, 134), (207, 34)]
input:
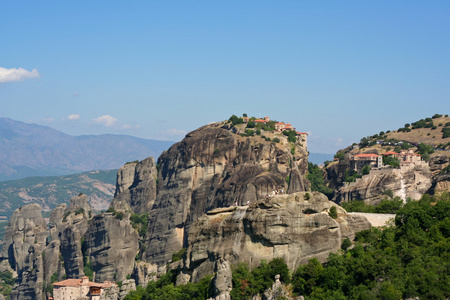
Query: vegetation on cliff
[(386, 206), (407, 260), (164, 288), (316, 177), (410, 259)]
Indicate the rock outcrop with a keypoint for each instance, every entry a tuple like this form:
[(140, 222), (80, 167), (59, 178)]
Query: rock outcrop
[(111, 246), (411, 181), (222, 281), (25, 239), (136, 187), (295, 227), (214, 167)]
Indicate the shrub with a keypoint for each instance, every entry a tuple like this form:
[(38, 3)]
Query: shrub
[(235, 120), (346, 244), (140, 223), (333, 212), (178, 255), (445, 132), (79, 211), (339, 155), (276, 140), (365, 170)]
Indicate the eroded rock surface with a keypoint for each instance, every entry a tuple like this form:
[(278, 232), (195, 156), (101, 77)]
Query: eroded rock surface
[(295, 227), (111, 246), (25, 239), (412, 181), (214, 167), (136, 187)]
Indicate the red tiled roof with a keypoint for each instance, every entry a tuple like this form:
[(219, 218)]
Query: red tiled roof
[(260, 121), (390, 153), (280, 123), (77, 282), (366, 155), (302, 133)]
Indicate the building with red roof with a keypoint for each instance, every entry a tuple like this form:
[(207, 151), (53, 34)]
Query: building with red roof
[(83, 289)]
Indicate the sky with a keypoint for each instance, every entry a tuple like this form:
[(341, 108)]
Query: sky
[(339, 70)]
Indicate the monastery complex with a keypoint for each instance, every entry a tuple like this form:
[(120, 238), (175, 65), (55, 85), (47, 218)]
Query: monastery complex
[(280, 127), (406, 158)]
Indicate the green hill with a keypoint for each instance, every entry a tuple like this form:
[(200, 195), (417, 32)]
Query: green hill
[(50, 191)]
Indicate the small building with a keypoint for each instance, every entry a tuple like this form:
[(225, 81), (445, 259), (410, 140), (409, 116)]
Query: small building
[(280, 126), (303, 137), (391, 154), (360, 160), (409, 156), (83, 289)]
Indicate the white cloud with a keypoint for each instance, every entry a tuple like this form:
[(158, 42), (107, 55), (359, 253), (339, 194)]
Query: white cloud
[(11, 75), (48, 120), (105, 120), (174, 132), (73, 117)]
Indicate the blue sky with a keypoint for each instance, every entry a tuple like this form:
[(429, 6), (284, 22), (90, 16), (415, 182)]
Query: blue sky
[(340, 70)]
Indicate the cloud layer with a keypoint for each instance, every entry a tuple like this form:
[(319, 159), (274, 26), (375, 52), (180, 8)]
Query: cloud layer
[(105, 120), (11, 75)]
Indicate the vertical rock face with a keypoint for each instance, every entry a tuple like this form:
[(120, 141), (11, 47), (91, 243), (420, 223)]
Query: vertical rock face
[(213, 167), (295, 227), (67, 225), (25, 239), (412, 181), (112, 245), (136, 187)]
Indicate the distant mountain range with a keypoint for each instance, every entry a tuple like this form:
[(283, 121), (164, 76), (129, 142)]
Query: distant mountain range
[(35, 150)]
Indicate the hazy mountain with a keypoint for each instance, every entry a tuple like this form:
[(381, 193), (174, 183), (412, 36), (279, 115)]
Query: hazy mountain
[(35, 150), (50, 191)]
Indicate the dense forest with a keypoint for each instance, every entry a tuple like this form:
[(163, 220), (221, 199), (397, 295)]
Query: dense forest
[(409, 259)]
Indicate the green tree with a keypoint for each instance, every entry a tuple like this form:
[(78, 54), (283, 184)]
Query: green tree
[(364, 142), (365, 170), (316, 177), (235, 120), (333, 212)]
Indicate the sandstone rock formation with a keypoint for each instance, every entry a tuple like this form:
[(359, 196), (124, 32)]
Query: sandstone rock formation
[(136, 187), (214, 167), (412, 181), (25, 239), (111, 247), (295, 227), (222, 281)]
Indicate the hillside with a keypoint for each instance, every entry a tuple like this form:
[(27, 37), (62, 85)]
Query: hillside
[(35, 150), (428, 131), (50, 191), (407, 163)]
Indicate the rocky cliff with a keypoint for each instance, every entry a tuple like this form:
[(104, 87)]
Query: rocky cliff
[(136, 187), (295, 227), (212, 167), (405, 182), (25, 239), (111, 247)]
